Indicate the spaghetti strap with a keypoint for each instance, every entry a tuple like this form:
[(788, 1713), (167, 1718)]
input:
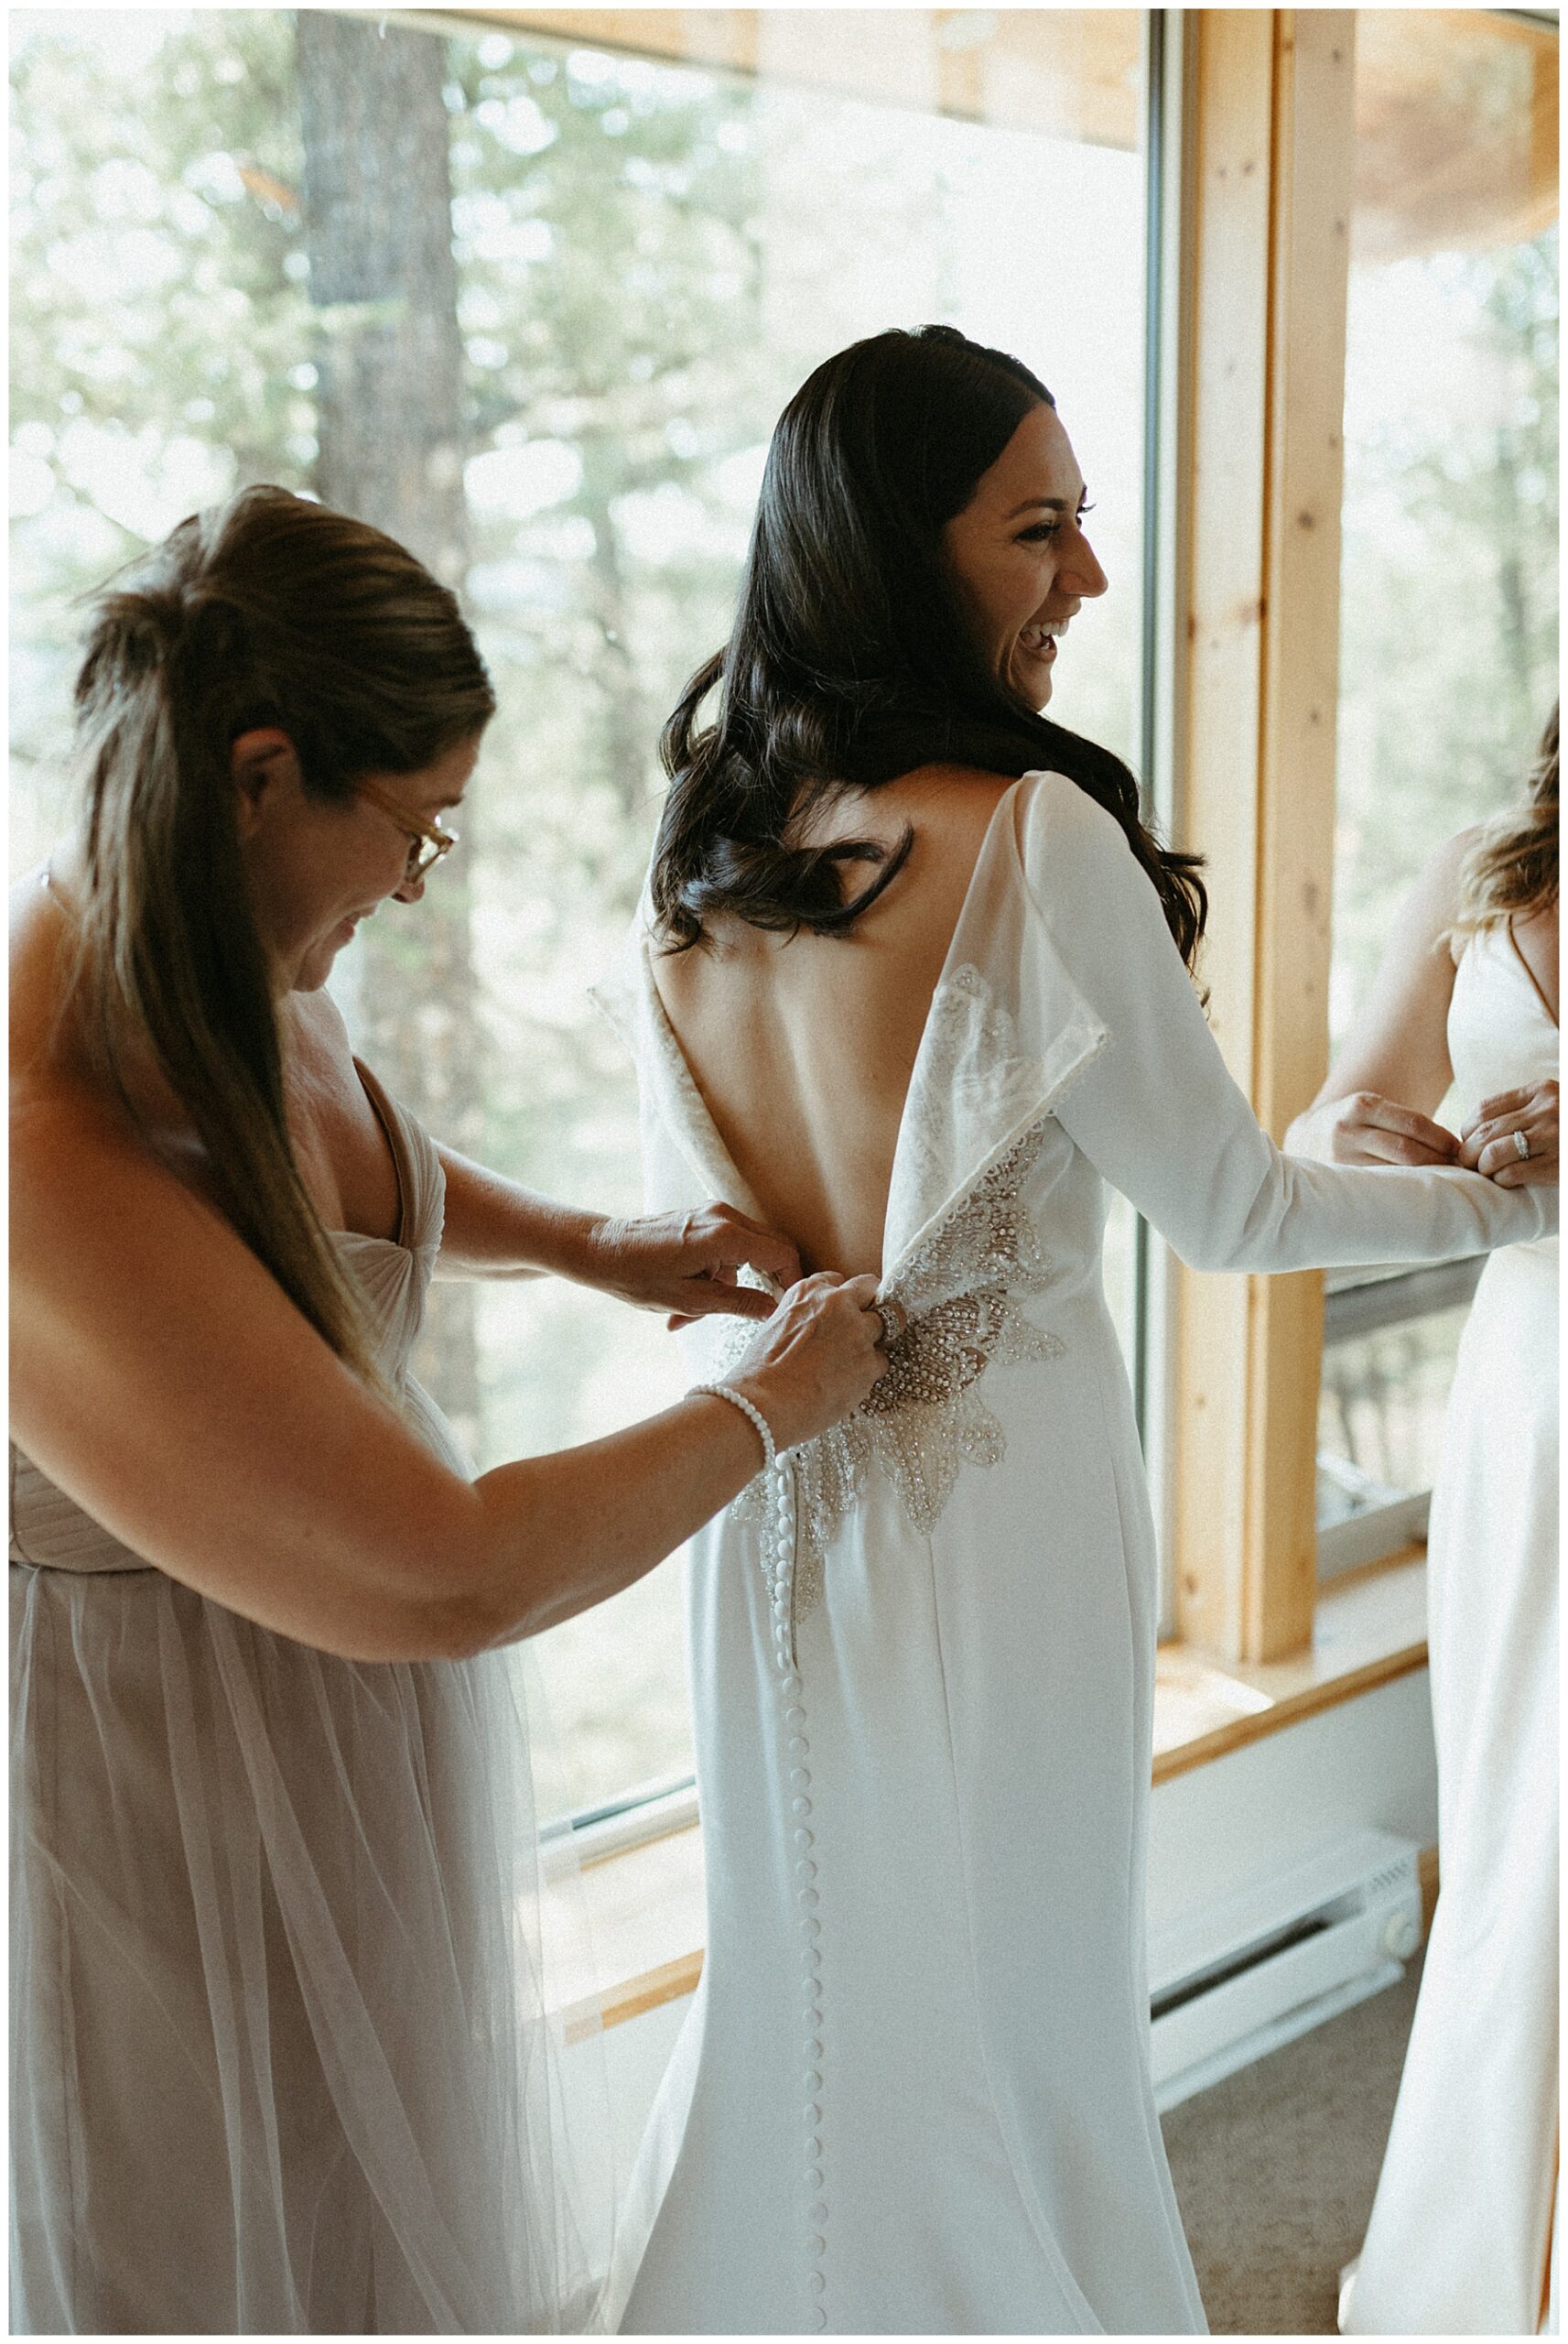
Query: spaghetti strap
[(394, 1127), (1530, 972)]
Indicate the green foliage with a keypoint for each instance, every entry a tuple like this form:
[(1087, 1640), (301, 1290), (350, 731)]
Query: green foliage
[(1448, 624)]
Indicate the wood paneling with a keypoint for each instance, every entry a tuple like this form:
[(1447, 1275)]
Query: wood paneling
[(1231, 53), (1066, 72), (1427, 79), (1455, 130), (1272, 189), (1313, 167)]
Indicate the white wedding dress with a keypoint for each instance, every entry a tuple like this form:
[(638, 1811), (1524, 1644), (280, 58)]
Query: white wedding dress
[(1460, 2230), (279, 2054), (912, 2092)]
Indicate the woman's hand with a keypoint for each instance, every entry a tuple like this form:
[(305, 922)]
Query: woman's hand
[(1365, 1128), (1488, 1143), (817, 1358), (688, 1262)]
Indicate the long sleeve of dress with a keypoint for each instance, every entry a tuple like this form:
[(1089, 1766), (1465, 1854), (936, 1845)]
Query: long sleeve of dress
[(1158, 1114)]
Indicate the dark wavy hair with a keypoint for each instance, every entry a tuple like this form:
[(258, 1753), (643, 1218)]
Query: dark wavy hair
[(851, 661)]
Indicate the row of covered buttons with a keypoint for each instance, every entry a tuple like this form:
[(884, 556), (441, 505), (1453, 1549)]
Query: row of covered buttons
[(808, 1898)]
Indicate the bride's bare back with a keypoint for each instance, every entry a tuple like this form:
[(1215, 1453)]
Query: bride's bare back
[(803, 1047)]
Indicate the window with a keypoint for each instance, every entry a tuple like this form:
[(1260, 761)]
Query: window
[(1448, 644), (229, 270)]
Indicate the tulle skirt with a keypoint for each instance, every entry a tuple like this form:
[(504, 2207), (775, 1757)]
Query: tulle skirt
[(280, 2057)]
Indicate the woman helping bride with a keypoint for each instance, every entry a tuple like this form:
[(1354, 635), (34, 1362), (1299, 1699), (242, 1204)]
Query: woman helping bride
[(912, 2092)]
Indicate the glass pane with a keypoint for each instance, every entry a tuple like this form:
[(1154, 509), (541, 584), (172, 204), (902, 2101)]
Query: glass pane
[(660, 222), (1379, 1419), (1449, 608), (1448, 630), (778, 212)]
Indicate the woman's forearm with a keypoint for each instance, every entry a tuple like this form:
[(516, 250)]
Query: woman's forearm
[(558, 1534), (1397, 1048), (566, 1531), (685, 1263), (496, 1228)]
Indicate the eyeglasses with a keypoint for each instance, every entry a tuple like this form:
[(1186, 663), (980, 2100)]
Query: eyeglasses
[(428, 842)]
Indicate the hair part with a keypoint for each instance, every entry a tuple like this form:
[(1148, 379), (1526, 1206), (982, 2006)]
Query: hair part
[(852, 662), (269, 609), (1511, 870)]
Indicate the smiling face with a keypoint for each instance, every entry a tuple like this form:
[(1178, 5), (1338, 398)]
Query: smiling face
[(1018, 556), (319, 866)]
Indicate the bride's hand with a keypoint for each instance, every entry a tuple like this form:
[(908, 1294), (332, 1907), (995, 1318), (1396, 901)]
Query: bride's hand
[(1488, 1143), (688, 1263), (817, 1358), (1365, 1128)]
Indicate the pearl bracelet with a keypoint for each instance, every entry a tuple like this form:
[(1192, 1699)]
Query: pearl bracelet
[(739, 1400)]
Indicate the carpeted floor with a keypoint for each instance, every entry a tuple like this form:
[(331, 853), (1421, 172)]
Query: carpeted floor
[(1275, 2168)]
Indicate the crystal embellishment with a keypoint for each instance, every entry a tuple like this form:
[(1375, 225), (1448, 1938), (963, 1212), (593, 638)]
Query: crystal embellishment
[(925, 1417)]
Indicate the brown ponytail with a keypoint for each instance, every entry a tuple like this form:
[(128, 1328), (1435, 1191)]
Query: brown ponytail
[(268, 611)]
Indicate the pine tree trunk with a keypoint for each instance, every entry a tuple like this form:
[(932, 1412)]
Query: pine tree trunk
[(384, 285), (628, 725)]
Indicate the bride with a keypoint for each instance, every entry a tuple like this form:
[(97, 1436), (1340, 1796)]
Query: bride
[(912, 982)]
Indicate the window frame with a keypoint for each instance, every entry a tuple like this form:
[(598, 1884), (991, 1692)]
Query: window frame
[(670, 1806), (1249, 153), (1367, 1302), (1168, 146), (1268, 204), (1268, 200), (1255, 131)]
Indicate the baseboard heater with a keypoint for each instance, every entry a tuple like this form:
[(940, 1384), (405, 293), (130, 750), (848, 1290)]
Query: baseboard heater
[(1240, 1977)]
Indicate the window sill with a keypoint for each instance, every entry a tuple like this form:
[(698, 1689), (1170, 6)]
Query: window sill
[(1369, 1627), (645, 1902)]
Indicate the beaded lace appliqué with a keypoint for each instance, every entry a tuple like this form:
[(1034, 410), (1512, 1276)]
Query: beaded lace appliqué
[(926, 1418)]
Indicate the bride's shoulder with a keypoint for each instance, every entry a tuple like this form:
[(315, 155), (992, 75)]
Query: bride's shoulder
[(41, 1023), (1068, 841)]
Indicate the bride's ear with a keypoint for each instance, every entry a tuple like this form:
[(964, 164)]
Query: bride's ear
[(264, 769)]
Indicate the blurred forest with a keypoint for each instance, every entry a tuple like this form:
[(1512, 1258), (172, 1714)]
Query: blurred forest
[(1449, 577)]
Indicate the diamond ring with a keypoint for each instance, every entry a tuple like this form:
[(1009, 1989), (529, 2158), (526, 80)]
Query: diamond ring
[(1521, 1147)]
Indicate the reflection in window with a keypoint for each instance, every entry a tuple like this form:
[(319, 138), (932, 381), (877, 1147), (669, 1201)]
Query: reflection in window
[(234, 263), (1389, 1353), (1448, 630)]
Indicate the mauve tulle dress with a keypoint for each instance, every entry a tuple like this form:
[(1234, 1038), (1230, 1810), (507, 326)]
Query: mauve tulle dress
[(279, 2056)]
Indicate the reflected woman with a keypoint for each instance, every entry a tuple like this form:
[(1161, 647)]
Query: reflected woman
[(280, 2058), (911, 981), (1461, 2231)]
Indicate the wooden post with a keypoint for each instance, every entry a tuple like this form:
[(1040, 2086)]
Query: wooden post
[(1267, 358)]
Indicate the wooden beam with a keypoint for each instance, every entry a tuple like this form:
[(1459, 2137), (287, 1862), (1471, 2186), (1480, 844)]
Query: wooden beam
[(1231, 55), (1272, 191), (1065, 72), (1456, 130)]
